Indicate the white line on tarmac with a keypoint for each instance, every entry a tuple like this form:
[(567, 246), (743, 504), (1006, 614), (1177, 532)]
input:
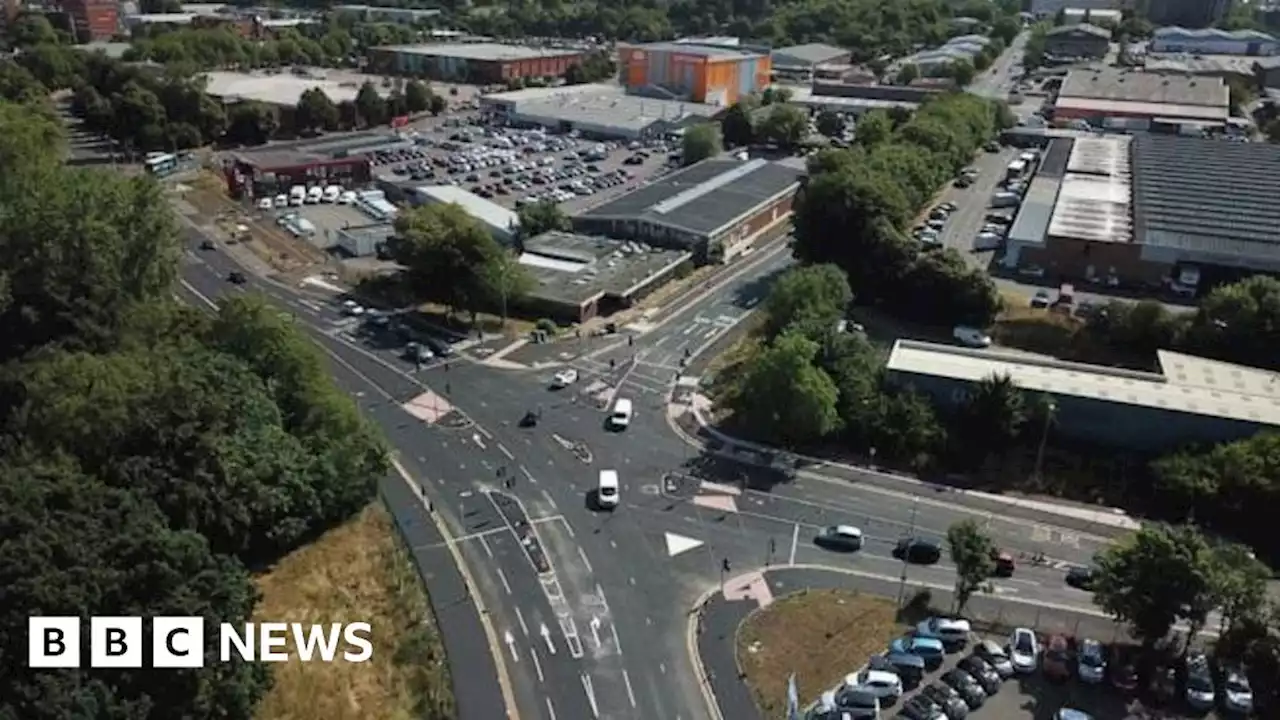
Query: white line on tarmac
[(503, 577), (795, 540), (583, 554), (523, 627), (631, 695), (537, 665), (591, 695), (551, 709)]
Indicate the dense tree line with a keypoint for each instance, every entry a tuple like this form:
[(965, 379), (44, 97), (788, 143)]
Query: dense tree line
[(150, 453), (857, 202)]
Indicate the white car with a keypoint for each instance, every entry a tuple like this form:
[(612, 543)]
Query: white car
[(347, 198), (564, 378), (953, 632), (886, 686), (265, 203), (1239, 696), (1092, 662), (1024, 650), (972, 337), (353, 308)]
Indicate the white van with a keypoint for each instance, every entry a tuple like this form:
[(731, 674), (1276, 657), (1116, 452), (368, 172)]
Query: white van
[(620, 417), (332, 193), (607, 490), (315, 194), (297, 195)]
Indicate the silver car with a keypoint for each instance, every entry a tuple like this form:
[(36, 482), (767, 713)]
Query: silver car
[(1092, 662)]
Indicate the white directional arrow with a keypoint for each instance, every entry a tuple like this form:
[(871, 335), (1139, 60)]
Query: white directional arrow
[(595, 630), (511, 645), (478, 441), (677, 544), (546, 635)]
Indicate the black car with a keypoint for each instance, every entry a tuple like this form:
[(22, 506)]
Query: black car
[(236, 277), (206, 244), (984, 674), (921, 708), (966, 686), (948, 699), (438, 346), (1081, 577), (918, 551)]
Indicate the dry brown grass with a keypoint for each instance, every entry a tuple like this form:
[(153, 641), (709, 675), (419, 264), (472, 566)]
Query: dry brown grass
[(357, 572), (820, 635)]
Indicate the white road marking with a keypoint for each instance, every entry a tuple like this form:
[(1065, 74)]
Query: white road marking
[(631, 695), (545, 632), (583, 554), (476, 437), (551, 709), (677, 544), (503, 449), (795, 540), (591, 695), (503, 577), (614, 632), (487, 550), (523, 627), (537, 665), (595, 630), (511, 645)]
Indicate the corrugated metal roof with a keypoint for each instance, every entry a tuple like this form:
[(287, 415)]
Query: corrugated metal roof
[(496, 217), (1188, 384)]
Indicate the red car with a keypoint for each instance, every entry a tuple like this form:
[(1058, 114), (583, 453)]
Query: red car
[(1056, 662)]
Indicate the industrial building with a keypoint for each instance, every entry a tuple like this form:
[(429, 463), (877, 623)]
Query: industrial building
[(800, 61), (1133, 99), (594, 110), (473, 62), (499, 221), (1081, 40), (1212, 41), (92, 20), (855, 99), (1149, 210), (715, 209), (1049, 9), (1189, 400), (578, 277), (939, 60), (1106, 19), (364, 240), (274, 169), (714, 75), (1226, 67)]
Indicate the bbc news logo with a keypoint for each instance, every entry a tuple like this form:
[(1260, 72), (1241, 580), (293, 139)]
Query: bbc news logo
[(179, 642)]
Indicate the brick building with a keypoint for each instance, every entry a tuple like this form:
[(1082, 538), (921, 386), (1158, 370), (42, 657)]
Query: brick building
[(715, 209), (93, 20), (473, 62)]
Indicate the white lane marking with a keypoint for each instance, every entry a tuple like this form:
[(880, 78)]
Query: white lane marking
[(511, 645), (478, 441), (503, 577), (528, 474), (503, 449), (631, 695), (487, 550), (614, 631), (551, 709), (795, 540), (537, 665), (591, 695), (545, 632), (661, 340), (583, 554), (523, 627)]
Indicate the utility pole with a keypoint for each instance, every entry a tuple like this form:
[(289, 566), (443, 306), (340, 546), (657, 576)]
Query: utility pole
[(902, 582), (1049, 411)]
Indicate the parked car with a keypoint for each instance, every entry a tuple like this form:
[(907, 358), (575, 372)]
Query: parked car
[(948, 699), (968, 688), (995, 656), (885, 685), (971, 337), (842, 538), (918, 551), (857, 703), (953, 632), (236, 277), (1041, 299), (1123, 668), (1092, 662), (985, 675), (1024, 650), (1071, 714), (1199, 681), (920, 707), (929, 649), (1237, 695), (1005, 564), (1056, 662), (907, 666)]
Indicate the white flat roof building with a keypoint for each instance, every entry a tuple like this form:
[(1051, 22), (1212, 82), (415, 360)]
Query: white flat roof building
[(500, 221), (282, 89)]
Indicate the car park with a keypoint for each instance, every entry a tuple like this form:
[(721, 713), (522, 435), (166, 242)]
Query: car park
[(966, 686), (1237, 694), (1199, 681), (417, 352), (857, 703), (930, 650), (1056, 662), (995, 656), (842, 538), (953, 632), (909, 667), (982, 673), (918, 551), (1024, 650), (946, 697), (1092, 662)]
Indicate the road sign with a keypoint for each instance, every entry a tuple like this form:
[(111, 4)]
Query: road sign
[(677, 544)]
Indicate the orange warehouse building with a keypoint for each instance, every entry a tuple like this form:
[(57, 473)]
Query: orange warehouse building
[(701, 73)]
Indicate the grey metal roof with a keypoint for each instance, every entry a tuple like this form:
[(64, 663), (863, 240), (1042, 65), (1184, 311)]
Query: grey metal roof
[(495, 52), (809, 53), (1086, 28), (714, 52), (705, 197), (1207, 194), (1132, 86)]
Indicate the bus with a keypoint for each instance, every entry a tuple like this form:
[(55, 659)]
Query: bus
[(161, 164)]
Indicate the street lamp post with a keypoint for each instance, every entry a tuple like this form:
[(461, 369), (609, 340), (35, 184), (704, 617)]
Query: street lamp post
[(1049, 410), (902, 581)]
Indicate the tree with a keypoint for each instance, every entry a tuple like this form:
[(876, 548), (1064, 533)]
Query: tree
[(809, 300), (370, 105), (1154, 577), (974, 555), (873, 128), (252, 123), (962, 71), (830, 124), (907, 74), (417, 96), (784, 396), (540, 217), (699, 143), (737, 127), (438, 104), (1005, 29), (31, 29), (1238, 323), (315, 111), (942, 289), (785, 125), (993, 417)]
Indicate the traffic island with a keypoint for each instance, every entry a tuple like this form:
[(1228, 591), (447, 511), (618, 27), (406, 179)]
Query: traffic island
[(819, 635)]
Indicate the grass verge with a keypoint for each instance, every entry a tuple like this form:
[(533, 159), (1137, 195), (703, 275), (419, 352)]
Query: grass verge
[(820, 635), (357, 572)]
